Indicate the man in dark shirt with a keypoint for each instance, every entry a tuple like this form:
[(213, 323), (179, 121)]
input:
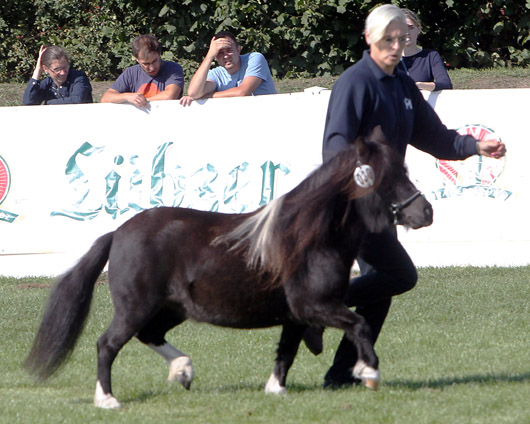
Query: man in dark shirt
[(151, 79), (63, 86)]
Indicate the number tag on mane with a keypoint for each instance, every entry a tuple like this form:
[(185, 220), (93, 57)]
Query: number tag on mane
[(364, 176)]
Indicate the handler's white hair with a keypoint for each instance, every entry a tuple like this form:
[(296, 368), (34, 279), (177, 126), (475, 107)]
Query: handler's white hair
[(379, 19)]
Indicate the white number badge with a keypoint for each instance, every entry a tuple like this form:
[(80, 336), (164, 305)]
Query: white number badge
[(364, 176)]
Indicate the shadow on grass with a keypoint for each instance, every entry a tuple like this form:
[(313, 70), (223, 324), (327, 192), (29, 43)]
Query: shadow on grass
[(442, 383), (439, 384)]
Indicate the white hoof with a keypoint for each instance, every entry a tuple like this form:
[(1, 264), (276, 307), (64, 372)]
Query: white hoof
[(369, 376), (273, 386), (105, 400), (181, 370)]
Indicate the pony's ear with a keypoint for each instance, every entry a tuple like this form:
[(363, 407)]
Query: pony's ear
[(361, 147), (377, 135)]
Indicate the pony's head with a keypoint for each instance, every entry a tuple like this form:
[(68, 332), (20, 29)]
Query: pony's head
[(356, 190), (380, 186)]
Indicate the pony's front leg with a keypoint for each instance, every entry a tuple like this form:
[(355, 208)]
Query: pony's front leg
[(370, 376), (287, 349), (328, 311), (366, 367)]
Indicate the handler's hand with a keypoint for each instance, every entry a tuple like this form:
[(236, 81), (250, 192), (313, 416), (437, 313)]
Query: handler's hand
[(491, 148)]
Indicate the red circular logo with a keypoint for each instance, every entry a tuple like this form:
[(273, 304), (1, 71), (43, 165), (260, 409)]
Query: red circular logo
[(476, 170), (5, 179)]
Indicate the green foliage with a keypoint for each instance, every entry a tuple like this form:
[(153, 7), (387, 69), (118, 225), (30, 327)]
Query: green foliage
[(476, 33), (95, 33), (298, 37)]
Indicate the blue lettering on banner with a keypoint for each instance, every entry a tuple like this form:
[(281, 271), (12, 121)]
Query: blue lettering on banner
[(168, 187)]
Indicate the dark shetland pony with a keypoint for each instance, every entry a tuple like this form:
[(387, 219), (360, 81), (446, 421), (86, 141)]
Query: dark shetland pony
[(287, 264)]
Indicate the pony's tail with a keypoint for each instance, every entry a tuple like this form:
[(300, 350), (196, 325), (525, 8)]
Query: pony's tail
[(66, 312)]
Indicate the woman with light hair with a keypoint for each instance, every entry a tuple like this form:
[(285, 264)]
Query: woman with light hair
[(62, 86), (376, 92), (424, 66)]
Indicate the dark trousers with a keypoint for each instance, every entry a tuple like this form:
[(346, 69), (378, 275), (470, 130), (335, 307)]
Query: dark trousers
[(386, 271)]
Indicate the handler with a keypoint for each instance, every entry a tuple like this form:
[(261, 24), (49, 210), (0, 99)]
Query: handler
[(370, 93)]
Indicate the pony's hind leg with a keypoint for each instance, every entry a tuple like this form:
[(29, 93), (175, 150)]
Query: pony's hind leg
[(109, 344), (153, 335), (130, 314), (287, 349), (180, 365)]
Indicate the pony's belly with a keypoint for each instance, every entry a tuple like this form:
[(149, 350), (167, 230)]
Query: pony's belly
[(240, 308)]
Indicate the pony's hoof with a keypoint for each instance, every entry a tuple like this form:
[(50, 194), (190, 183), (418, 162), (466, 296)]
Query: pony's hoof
[(369, 376), (181, 370), (273, 386), (105, 400), (371, 384), (108, 403)]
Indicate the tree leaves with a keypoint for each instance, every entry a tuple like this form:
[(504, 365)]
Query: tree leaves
[(301, 37)]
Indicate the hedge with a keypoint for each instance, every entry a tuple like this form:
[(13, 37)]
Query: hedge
[(299, 37)]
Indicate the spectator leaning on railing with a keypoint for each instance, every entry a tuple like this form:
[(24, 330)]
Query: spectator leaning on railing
[(237, 74), (152, 79), (425, 67), (62, 86)]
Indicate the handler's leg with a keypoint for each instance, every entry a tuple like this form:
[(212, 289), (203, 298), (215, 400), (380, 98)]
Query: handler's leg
[(386, 271)]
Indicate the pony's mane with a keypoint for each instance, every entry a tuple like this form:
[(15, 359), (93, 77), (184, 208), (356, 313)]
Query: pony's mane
[(277, 236)]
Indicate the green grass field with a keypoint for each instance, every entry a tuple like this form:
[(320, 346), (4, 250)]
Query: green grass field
[(454, 350)]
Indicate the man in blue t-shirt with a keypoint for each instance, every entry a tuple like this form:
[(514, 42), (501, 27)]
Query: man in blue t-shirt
[(238, 75), (152, 79)]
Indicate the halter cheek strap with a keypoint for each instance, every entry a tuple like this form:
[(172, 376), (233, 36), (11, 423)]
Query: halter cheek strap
[(395, 208)]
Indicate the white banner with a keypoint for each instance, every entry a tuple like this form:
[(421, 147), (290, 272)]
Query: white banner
[(480, 204), (71, 173)]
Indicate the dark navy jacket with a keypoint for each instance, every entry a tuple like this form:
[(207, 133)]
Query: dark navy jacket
[(76, 89), (428, 66), (364, 97)]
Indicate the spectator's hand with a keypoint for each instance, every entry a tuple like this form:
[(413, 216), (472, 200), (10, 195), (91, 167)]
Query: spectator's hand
[(185, 100), (491, 148), (37, 73), (218, 44), (428, 86), (138, 100)]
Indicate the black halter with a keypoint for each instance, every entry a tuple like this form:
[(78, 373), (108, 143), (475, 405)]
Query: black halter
[(395, 208)]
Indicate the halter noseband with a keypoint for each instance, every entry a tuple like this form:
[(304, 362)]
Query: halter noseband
[(395, 208)]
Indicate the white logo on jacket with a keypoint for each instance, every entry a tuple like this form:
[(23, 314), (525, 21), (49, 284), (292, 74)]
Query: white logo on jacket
[(408, 103)]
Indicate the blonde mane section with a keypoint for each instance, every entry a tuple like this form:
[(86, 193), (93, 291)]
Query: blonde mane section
[(256, 233)]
